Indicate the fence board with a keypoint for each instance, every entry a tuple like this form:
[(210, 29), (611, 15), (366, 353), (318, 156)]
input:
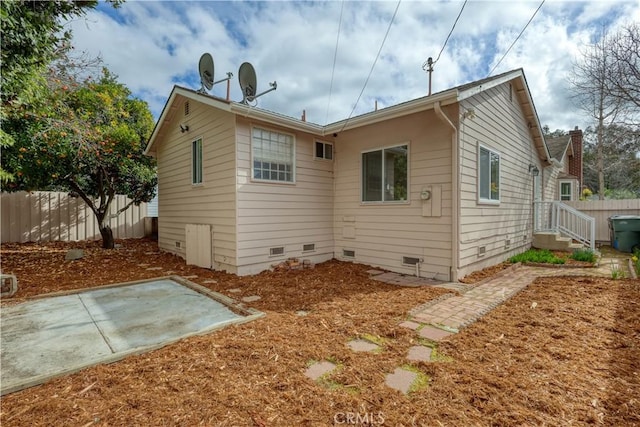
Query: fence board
[(43, 216), (601, 210)]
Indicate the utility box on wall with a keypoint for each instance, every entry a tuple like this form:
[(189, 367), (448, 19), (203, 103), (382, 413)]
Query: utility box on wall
[(199, 245)]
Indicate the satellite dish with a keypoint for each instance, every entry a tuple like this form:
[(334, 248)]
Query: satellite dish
[(206, 71), (248, 81)]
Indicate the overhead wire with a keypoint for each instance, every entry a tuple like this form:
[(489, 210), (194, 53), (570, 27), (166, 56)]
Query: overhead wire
[(450, 32), (517, 38), (372, 65), (335, 57)]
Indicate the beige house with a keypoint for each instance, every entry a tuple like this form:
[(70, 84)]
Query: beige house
[(439, 186)]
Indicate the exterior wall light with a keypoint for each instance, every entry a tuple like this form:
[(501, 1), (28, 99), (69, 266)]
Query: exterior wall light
[(533, 170)]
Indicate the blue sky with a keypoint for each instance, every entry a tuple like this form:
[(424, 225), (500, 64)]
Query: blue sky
[(152, 45)]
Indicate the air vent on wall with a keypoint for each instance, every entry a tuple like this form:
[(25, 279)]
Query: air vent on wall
[(186, 108), (276, 251), (178, 244), (507, 243), (482, 250), (347, 253), (407, 260), (309, 247)]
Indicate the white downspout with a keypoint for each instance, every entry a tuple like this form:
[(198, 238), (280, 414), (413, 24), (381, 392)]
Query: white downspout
[(455, 197)]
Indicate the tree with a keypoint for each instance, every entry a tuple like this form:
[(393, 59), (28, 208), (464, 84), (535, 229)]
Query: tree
[(85, 137), (31, 36), (594, 94), (623, 77)]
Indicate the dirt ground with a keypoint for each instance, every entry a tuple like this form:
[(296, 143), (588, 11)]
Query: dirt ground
[(573, 358)]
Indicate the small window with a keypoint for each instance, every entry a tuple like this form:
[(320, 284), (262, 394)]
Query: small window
[(273, 155), (196, 161), (324, 150), (385, 175), (565, 191), (488, 175)]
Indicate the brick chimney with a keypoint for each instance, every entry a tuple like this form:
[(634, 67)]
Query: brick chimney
[(575, 162)]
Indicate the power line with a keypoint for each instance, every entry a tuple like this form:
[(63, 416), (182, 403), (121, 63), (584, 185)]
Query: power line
[(373, 65), (514, 42), (333, 69), (450, 32)]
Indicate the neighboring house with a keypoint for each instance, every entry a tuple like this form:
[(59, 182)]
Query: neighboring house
[(566, 166), (440, 186)]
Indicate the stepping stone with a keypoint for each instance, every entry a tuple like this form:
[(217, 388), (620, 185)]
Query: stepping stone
[(302, 312), (143, 265), (409, 324), (234, 290), (374, 272), (318, 369), (193, 276), (169, 273), (401, 380), (433, 334), (251, 298), (419, 353), (362, 345), (154, 268), (73, 254), (210, 281)]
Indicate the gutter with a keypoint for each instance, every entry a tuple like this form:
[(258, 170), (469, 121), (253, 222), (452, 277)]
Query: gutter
[(455, 197)]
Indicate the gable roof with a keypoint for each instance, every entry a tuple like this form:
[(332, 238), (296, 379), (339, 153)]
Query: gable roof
[(558, 146), (443, 98)]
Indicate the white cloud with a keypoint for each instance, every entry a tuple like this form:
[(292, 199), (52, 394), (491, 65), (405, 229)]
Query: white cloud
[(154, 45)]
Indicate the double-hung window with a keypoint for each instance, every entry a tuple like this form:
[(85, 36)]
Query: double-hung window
[(385, 174), (196, 161), (565, 190), (273, 155), (488, 175)]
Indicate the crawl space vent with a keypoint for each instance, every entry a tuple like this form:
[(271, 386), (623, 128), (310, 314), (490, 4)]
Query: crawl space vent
[(276, 251), (507, 243), (482, 250), (309, 247), (407, 260), (347, 253), (178, 245)]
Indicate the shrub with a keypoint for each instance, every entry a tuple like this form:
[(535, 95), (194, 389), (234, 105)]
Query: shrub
[(542, 256), (583, 255)]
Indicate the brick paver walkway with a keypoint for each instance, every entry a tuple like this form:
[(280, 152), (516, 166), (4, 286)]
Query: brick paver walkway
[(453, 312)]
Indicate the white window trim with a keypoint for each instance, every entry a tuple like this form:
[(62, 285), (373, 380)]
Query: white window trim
[(293, 166), (333, 151), (571, 190), (481, 200), (201, 183), (390, 202)]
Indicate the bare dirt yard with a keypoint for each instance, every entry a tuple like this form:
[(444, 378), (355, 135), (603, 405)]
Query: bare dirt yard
[(573, 358)]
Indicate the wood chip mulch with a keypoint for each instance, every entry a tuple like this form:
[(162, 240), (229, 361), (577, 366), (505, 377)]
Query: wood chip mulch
[(570, 359)]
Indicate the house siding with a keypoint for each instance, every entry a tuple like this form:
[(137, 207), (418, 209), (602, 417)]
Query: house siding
[(503, 229), (288, 215), (381, 234), (213, 202)]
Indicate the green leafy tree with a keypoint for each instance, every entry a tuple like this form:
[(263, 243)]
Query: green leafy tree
[(31, 36), (85, 137)]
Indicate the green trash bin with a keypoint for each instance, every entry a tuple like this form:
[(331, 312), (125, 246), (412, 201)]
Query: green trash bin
[(624, 231)]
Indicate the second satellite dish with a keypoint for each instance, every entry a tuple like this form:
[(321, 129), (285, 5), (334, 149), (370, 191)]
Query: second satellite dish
[(249, 83), (206, 71)]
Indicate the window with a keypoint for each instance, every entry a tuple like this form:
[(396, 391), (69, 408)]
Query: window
[(489, 175), (385, 175), (565, 191), (324, 150), (273, 155), (196, 161)]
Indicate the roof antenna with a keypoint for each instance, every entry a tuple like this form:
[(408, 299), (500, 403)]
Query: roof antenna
[(428, 67)]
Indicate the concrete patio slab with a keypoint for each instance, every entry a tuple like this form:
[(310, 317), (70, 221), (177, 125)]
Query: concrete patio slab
[(52, 336), (419, 353), (360, 345)]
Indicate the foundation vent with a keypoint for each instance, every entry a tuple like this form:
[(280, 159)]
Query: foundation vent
[(178, 244), (407, 260), (347, 253), (482, 250), (276, 251), (507, 243), (309, 247)]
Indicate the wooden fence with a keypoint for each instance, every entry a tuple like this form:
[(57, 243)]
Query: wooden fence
[(601, 210), (44, 216)]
